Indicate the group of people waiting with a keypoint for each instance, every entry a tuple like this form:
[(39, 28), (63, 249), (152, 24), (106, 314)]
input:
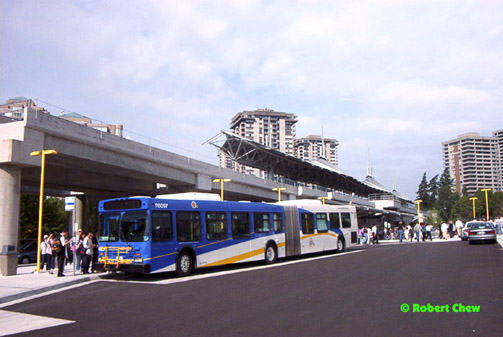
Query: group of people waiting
[(58, 249)]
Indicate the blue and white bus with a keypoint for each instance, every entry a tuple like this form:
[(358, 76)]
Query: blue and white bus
[(150, 235)]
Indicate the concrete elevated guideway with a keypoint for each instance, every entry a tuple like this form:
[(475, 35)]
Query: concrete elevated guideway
[(102, 165)]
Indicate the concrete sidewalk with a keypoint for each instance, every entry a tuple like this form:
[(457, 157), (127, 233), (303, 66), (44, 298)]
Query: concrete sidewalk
[(28, 283)]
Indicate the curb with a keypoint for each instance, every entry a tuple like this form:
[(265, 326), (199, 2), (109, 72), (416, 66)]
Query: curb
[(29, 293)]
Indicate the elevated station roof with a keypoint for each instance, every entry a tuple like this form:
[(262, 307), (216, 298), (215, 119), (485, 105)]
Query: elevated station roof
[(250, 153)]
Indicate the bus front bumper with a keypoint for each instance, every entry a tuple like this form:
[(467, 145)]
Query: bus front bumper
[(127, 268)]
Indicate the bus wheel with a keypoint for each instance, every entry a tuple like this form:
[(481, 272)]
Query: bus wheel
[(183, 264), (271, 255), (340, 246)]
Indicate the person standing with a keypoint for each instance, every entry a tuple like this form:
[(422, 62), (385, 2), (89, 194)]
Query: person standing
[(44, 256), (88, 246), (79, 250), (417, 230), (400, 231), (459, 227), (429, 228), (59, 245), (96, 244), (444, 227)]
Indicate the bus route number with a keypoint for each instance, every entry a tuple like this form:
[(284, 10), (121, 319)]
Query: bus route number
[(161, 205)]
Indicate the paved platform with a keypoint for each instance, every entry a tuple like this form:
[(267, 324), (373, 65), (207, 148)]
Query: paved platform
[(28, 283)]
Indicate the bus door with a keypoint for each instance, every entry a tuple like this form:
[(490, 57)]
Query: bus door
[(162, 240), (241, 235), (309, 241)]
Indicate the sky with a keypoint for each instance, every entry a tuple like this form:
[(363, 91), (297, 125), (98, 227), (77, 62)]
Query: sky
[(389, 78)]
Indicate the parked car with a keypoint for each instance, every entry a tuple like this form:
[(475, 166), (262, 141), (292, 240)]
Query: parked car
[(482, 231), (27, 252), (466, 228)]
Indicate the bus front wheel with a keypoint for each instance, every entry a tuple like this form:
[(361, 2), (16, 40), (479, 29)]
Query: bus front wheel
[(183, 264), (340, 246), (271, 254)]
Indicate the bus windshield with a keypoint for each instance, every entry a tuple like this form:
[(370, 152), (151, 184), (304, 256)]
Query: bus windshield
[(109, 227), (135, 227)]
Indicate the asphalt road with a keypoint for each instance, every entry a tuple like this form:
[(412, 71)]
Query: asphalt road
[(359, 294)]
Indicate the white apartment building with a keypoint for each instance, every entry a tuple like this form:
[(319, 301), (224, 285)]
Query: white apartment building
[(474, 161), (314, 147), (273, 129)]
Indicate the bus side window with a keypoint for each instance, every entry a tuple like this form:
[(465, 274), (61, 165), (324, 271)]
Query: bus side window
[(240, 223), (346, 220), (277, 221), (262, 222), (188, 226), (335, 222), (321, 222), (216, 225), (307, 220), (162, 226)]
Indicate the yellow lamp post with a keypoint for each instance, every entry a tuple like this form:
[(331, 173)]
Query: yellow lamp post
[(279, 189), (42, 153), (418, 202), (222, 181), (473, 199), (322, 199), (487, 201)]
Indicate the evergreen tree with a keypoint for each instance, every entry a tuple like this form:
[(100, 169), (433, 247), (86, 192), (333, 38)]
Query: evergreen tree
[(422, 193)]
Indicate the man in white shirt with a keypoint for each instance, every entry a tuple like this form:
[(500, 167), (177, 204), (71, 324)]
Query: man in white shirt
[(459, 227)]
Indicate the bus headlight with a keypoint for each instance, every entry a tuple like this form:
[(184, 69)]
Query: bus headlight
[(138, 260)]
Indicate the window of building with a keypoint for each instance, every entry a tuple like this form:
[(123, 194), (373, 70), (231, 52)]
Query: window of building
[(321, 222), (162, 226), (188, 226), (240, 223), (216, 226), (262, 222)]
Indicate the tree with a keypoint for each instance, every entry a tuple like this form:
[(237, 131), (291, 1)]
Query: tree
[(54, 217), (422, 192), (446, 198)]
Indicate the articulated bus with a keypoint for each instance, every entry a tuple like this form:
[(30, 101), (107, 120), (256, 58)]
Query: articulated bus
[(180, 233)]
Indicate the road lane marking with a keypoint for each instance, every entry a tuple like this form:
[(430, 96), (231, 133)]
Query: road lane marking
[(15, 322)]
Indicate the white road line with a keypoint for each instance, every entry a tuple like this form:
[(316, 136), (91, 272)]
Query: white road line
[(14, 322), (236, 271)]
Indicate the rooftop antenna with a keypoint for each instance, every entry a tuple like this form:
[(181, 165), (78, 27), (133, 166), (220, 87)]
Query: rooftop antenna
[(369, 168)]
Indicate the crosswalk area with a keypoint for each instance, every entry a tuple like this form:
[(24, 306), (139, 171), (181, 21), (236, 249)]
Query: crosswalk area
[(15, 322)]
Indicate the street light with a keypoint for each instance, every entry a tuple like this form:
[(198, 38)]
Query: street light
[(487, 201), (222, 181), (418, 202), (279, 189), (42, 153), (473, 199)]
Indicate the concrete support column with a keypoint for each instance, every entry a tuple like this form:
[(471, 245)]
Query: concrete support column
[(80, 201), (10, 199)]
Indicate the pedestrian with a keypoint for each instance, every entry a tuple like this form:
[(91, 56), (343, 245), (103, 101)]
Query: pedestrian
[(375, 238), (450, 229), (88, 246), (59, 246), (400, 230), (44, 255), (366, 236), (50, 255), (444, 228), (79, 250), (459, 227), (417, 230), (429, 228), (96, 244)]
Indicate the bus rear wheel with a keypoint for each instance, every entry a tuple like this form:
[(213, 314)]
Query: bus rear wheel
[(183, 264), (271, 254)]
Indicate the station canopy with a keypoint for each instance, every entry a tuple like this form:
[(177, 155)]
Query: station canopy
[(321, 172)]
